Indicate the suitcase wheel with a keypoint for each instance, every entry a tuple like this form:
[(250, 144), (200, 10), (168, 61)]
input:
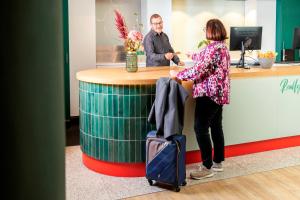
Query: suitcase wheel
[(150, 182), (183, 183), (177, 189)]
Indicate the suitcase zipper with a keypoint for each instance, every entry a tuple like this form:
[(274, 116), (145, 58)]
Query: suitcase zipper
[(178, 152)]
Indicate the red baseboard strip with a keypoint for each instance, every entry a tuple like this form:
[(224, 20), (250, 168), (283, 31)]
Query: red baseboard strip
[(114, 169), (138, 169), (251, 147)]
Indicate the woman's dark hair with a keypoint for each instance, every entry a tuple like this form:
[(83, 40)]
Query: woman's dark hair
[(215, 30)]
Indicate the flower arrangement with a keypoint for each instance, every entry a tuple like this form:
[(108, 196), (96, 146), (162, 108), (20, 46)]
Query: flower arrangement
[(268, 54), (132, 39), (266, 60)]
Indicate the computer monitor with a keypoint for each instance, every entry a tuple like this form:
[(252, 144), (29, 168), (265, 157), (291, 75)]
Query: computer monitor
[(296, 41), (245, 38)]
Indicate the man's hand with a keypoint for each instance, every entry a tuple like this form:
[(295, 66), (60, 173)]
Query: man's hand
[(181, 63), (189, 54), (169, 56)]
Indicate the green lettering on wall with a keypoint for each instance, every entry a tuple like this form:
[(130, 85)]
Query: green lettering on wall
[(287, 85)]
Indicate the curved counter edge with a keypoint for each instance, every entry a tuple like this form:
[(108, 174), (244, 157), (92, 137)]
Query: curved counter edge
[(149, 75)]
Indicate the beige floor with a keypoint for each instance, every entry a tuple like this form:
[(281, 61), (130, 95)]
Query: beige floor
[(277, 184), (84, 184)]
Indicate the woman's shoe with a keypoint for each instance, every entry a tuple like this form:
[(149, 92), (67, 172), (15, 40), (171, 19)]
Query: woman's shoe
[(217, 167), (202, 173)]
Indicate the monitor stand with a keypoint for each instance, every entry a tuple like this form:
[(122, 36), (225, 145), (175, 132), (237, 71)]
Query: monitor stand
[(241, 63)]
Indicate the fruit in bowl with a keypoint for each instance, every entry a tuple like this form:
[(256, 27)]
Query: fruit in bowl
[(267, 59)]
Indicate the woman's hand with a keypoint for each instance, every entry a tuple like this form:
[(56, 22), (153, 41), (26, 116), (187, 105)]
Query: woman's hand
[(173, 74)]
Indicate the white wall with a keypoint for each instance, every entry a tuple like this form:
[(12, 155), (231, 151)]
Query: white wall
[(266, 17), (161, 7), (82, 34)]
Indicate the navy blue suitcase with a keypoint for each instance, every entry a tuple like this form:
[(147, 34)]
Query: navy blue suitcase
[(165, 160)]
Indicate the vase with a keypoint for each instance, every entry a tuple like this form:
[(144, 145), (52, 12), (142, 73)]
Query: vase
[(131, 61)]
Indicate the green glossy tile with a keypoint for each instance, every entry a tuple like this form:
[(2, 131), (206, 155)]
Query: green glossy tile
[(105, 127), (126, 108), (127, 151), (149, 89), (115, 105), (132, 129), (93, 147), (138, 89), (121, 151), (138, 125), (100, 127), (143, 151), (110, 150), (105, 105), (104, 89), (81, 138), (132, 151), (132, 106), (100, 105), (126, 128), (121, 129), (96, 106), (97, 88), (143, 89), (144, 106), (126, 90), (116, 151), (143, 128), (121, 89), (121, 106), (138, 155), (109, 89), (97, 148), (92, 89), (137, 105), (92, 122), (110, 128), (105, 149), (115, 89), (88, 103), (116, 128), (89, 123), (100, 88), (132, 91), (101, 149), (153, 89), (110, 105)]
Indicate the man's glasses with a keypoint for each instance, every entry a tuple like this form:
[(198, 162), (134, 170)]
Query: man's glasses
[(156, 24)]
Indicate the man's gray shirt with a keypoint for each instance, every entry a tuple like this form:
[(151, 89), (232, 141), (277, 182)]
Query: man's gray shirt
[(156, 45)]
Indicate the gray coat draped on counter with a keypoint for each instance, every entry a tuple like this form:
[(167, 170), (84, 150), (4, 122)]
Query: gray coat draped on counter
[(167, 111)]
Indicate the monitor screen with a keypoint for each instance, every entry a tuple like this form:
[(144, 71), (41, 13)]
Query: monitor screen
[(250, 36), (296, 41)]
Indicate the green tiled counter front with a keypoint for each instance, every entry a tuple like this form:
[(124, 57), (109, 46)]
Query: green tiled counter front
[(113, 121)]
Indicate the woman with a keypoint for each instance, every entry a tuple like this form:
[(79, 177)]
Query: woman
[(211, 91)]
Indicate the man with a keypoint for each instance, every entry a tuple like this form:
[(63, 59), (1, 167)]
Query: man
[(158, 49)]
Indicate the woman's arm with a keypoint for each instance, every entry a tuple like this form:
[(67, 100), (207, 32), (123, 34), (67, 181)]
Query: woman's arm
[(202, 67)]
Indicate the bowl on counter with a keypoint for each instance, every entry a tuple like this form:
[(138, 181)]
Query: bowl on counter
[(266, 63)]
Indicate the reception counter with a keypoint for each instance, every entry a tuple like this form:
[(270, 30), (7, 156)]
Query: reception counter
[(264, 114)]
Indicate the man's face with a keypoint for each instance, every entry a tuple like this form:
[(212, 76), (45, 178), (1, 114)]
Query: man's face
[(157, 25)]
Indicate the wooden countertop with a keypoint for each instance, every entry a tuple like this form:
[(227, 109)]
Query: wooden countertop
[(149, 75)]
